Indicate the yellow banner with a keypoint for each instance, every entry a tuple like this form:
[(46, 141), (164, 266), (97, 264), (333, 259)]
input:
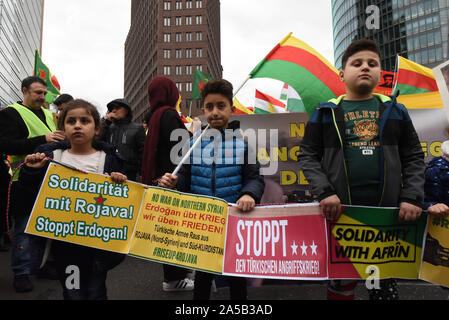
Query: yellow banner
[(180, 229), (86, 209), (147, 222), (435, 263)]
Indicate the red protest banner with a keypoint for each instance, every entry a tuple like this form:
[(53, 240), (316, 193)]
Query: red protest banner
[(278, 242)]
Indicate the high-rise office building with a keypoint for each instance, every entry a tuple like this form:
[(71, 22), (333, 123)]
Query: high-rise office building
[(416, 30), (20, 35), (171, 38)]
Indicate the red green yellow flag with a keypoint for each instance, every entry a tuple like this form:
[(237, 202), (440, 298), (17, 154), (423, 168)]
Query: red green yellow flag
[(304, 69), (43, 72), (417, 86), (198, 83)]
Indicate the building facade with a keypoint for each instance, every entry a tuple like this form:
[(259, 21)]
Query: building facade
[(21, 24), (171, 38), (416, 30)]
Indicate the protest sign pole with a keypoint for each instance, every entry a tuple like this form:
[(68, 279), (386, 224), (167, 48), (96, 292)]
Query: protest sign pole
[(190, 109), (190, 152), (201, 136)]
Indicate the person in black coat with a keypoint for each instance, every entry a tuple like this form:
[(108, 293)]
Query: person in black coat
[(5, 178), (81, 123), (128, 137)]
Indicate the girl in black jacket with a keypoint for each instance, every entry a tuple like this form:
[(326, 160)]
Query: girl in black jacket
[(81, 123)]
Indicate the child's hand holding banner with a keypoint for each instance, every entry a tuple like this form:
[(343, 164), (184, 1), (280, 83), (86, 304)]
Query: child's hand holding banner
[(365, 237), (203, 233), (180, 229), (150, 223), (86, 209)]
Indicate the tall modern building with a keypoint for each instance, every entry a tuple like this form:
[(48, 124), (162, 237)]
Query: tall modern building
[(20, 35), (416, 30), (171, 38)]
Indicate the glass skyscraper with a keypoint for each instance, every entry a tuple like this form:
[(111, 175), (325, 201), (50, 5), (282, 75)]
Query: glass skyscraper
[(416, 30), (20, 36)]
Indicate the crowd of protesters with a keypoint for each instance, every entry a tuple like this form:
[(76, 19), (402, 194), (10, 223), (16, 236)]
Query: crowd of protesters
[(334, 157)]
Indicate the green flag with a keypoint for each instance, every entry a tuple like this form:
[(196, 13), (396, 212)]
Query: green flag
[(198, 83), (42, 71)]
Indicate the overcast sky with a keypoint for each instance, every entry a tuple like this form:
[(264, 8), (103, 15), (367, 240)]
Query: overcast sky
[(83, 41)]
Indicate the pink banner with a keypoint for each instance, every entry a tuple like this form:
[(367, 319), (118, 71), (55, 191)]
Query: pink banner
[(282, 242)]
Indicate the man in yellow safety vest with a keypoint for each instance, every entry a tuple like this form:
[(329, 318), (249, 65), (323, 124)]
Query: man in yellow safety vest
[(24, 126)]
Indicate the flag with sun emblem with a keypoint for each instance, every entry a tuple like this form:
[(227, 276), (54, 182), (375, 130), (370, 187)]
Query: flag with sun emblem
[(265, 104)]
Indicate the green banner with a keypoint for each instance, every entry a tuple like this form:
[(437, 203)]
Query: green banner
[(364, 238)]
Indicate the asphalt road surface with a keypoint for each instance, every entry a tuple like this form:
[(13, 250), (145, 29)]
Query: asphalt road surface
[(137, 279)]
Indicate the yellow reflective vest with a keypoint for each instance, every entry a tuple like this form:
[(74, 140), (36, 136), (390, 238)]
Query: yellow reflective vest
[(36, 128)]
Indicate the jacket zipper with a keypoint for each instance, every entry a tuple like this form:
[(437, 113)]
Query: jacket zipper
[(383, 187), (344, 159), (213, 179), (385, 167), (214, 166)]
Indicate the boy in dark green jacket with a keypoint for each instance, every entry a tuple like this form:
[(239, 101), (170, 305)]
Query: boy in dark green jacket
[(362, 149)]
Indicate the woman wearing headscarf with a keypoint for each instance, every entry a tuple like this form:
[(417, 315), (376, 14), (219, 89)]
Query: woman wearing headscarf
[(164, 96)]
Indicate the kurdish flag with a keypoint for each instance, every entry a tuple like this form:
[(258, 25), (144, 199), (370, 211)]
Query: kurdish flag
[(367, 236), (240, 108), (43, 72), (417, 85), (308, 72), (265, 104), (198, 83), (294, 102)]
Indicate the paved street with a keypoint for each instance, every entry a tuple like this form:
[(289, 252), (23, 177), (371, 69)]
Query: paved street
[(137, 279)]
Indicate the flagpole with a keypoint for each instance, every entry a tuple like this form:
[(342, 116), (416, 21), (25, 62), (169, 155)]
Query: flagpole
[(393, 92), (190, 109), (240, 88), (187, 156)]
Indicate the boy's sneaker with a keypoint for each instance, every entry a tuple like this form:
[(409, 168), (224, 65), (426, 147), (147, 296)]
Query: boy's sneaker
[(178, 285), (191, 275), (22, 283)]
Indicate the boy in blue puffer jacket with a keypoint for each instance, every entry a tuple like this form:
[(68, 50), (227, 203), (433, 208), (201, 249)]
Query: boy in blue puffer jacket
[(220, 168)]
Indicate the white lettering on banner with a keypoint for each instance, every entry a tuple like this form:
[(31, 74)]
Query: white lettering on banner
[(278, 267), (259, 234)]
